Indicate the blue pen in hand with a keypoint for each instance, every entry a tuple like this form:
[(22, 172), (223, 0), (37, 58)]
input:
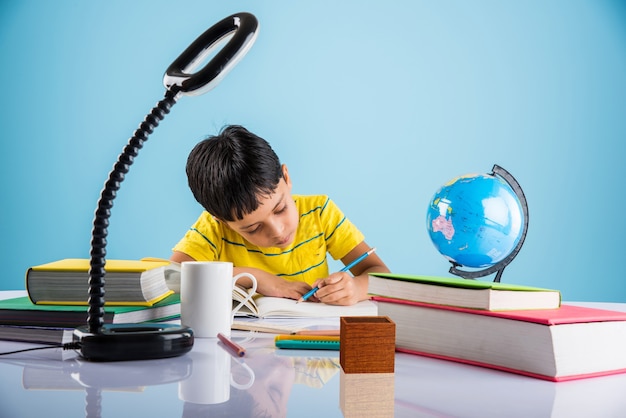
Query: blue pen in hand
[(346, 268)]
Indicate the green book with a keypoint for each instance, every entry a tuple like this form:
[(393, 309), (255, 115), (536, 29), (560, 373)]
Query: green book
[(21, 311), (465, 293)]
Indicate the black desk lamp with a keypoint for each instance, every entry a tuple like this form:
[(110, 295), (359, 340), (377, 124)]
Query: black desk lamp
[(108, 342)]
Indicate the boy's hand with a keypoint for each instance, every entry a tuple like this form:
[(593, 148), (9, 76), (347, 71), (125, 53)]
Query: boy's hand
[(271, 285), (285, 289), (340, 289)]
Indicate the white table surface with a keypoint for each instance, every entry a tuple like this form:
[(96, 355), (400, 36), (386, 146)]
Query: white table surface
[(287, 383)]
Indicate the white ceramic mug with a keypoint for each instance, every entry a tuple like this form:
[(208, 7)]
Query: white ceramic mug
[(211, 377), (206, 296)]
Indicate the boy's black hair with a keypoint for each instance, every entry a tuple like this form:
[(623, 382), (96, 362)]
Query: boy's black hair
[(229, 172)]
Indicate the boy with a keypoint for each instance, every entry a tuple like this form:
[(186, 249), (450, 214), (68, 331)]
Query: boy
[(253, 221)]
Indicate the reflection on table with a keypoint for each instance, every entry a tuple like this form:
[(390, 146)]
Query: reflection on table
[(258, 384), (210, 381), (267, 381)]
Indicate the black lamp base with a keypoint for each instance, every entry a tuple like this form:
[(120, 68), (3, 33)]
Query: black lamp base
[(122, 342)]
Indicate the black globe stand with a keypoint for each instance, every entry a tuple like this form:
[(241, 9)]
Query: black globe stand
[(498, 268), (97, 341)]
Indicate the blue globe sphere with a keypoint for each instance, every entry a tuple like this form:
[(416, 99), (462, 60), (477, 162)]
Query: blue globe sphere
[(475, 220)]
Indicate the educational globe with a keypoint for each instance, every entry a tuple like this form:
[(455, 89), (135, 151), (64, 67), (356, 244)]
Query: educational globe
[(476, 220)]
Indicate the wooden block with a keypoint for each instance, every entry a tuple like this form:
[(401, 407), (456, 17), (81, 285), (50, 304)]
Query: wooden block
[(366, 395), (367, 344)]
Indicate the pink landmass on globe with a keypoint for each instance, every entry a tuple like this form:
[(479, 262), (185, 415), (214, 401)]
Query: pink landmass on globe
[(443, 225)]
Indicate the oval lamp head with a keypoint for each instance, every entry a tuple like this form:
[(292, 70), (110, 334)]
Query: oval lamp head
[(181, 75)]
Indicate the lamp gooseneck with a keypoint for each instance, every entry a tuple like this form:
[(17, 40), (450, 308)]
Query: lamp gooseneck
[(103, 211)]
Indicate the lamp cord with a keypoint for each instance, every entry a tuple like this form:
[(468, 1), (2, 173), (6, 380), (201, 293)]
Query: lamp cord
[(67, 346), (103, 212)]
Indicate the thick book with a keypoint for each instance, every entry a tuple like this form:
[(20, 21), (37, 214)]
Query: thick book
[(21, 311), (128, 282), (272, 307), (567, 343), (455, 291)]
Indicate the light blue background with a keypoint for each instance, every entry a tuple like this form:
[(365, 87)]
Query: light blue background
[(376, 103)]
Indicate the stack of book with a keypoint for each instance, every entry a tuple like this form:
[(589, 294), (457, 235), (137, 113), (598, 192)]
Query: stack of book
[(518, 329), (135, 291)]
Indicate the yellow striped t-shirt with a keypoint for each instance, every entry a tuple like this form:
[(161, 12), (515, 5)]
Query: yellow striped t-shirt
[(322, 229)]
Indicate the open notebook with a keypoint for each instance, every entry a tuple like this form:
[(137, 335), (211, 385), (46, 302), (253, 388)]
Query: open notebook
[(270, 307)]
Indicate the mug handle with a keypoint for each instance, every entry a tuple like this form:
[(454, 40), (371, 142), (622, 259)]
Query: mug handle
[(250, 294)]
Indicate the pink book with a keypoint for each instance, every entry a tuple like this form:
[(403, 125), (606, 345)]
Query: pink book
[(571, 342)]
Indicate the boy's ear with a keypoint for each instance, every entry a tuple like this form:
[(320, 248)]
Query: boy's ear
[(286, 176)]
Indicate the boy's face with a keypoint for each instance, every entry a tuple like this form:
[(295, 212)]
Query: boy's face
[(275, 221)]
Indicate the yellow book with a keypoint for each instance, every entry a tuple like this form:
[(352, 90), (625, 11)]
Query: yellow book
[(127, 282)]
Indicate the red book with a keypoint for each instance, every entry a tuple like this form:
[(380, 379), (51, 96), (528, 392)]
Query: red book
[(567, 343)]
